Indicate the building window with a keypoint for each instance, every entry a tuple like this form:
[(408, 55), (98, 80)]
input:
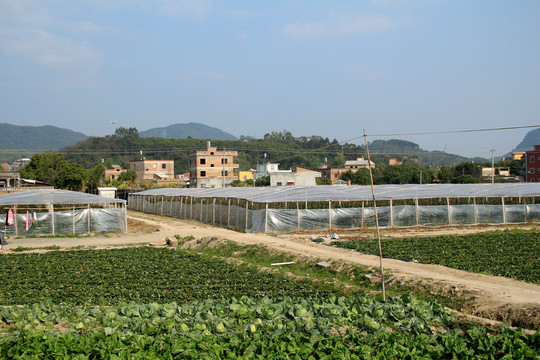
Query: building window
[(279, 183), (224, 161), (203, 173), (163, 166), (211, 165), (532, 159), (532, 171), (203, 161), (224, 173)]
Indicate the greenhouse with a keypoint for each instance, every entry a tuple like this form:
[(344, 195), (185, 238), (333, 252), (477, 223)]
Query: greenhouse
[(56, 212), (322, 208)]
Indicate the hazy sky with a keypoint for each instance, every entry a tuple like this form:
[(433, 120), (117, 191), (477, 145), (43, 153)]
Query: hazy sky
[(328, 68)]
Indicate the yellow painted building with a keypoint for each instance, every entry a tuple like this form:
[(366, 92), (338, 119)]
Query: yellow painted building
[(245, 175)]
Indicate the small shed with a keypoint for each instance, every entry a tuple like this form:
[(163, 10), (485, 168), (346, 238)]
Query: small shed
[(51, 211), (109, 192)]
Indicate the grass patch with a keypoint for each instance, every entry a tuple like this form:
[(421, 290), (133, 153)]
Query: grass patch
[(23, 249)]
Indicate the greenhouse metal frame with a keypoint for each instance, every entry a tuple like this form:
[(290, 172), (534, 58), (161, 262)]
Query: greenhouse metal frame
[(328, 208), (56, 212)]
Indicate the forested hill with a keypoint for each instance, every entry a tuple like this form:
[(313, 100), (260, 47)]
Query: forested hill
[(37, 138), (190, 130), (281, 147)]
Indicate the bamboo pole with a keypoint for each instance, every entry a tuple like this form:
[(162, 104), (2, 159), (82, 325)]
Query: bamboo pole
[(376, 217)]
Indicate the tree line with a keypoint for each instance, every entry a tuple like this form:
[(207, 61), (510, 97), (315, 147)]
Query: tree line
[(82, 166)]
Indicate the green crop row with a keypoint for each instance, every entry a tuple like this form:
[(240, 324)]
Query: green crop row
[(507, 254), (353, 327), (142, 274)]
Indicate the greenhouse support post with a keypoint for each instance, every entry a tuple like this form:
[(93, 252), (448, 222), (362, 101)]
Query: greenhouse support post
[(266, 219), (391, 214), (200, 216), (503, 210), (449, 210), (229, 214), (329, 214), (417, 212), (73, 219), (247, 212), (125, 218), (298, 215), (475, 212), (15, 220), (238, 213), (51, 210), (362, 213), (162, 201), (181, 203), (87, 217), (214, 211)]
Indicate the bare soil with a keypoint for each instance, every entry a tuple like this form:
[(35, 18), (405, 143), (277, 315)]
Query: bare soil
[(497, 298)]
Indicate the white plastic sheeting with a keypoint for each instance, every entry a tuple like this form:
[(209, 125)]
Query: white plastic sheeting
[(62, 212), (53, 196), (319, 208)]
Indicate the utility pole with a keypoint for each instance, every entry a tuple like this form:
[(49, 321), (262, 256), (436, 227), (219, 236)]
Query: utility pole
[(492, 166)]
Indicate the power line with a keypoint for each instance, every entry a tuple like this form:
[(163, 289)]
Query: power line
[(427, 133)]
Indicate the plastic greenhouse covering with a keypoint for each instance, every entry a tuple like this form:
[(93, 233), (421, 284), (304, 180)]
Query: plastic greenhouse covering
[(56, 212), (321, 208)]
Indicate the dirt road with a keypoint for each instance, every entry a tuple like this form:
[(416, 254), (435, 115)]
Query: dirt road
[(491, 292)]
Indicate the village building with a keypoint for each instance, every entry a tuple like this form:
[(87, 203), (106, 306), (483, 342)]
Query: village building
[(300, 177), (212, 168), (532, 164), (264, 169), (115, 172), (359, 163), (153, 170)]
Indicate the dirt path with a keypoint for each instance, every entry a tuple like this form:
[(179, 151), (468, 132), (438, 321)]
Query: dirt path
[(490, 291)]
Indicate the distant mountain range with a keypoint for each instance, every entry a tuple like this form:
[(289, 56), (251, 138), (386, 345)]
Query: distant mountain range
[(37, 138), (190, 130), (531, 138)]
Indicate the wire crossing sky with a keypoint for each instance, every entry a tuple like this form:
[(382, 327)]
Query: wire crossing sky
[(327, 68)]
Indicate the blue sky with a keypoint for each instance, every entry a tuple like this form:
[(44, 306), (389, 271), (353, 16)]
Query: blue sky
[(328, 68)]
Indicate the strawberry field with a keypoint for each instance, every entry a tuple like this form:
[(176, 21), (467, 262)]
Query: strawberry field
[(508, 254), (169, 304)]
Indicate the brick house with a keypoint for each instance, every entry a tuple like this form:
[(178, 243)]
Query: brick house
[(153, 170), (532, 164), (212, 167)]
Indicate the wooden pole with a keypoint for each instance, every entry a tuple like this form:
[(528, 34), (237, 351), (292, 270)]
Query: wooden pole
[(229, 214), (73, 219), (247, 212), (376, 217), (266, 219)]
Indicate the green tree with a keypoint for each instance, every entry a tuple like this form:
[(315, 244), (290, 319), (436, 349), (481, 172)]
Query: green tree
[(122, 131), (70, 176), (95, 176), (43, 167), (128, 175), (445, 174), (465, 179), (240, 183), (263, 181), (323, 181)]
